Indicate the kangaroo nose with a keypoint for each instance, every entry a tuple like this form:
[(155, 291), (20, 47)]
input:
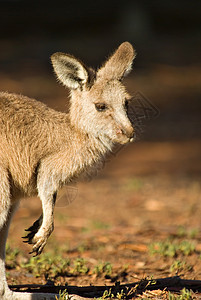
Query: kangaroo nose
[(129, 132)]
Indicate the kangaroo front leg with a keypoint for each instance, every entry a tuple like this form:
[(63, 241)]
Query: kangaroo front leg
[(40, 233)]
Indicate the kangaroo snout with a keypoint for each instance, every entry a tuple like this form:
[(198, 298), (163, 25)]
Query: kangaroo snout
[(125, 134), (129, 132), (125, 131)]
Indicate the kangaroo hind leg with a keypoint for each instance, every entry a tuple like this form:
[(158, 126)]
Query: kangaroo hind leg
[(5, 199), (6, 211)]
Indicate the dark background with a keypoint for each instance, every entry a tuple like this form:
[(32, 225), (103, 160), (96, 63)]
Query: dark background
[(163, 31), (166, 35)]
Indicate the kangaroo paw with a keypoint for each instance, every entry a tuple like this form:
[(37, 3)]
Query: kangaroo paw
[(33, 230), (40, 239)]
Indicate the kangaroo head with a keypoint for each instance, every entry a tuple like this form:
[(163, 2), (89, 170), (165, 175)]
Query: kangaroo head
[(99, 100)]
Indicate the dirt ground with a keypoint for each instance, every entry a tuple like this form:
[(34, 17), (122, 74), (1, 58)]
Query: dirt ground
[(147, 196)]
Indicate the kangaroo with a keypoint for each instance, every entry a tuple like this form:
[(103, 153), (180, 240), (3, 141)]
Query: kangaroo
[(42, 149)]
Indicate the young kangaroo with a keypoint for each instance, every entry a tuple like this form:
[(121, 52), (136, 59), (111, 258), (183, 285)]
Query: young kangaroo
[(42, 149)]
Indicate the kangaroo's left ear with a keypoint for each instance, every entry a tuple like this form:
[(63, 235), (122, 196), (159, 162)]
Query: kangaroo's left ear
[(69, 70), (119, 64)]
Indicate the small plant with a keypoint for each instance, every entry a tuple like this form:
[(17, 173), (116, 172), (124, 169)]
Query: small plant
[(47, 264), (107, 295), (103, 269), (11, 256), (177, 266), (186, 247), (121, 295), (80, 266), (172, 249), (193, 233), (163, 248), (185, 295), (63, 295), (183, 232)]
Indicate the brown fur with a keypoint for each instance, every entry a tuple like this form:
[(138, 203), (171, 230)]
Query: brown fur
[(42, 149)]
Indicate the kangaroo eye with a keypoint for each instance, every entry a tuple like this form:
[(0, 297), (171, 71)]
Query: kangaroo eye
[(101, 106)]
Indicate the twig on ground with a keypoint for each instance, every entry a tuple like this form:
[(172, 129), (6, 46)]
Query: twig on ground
[(131, 289)]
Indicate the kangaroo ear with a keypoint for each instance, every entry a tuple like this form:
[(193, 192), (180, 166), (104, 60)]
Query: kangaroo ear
[(119, 64), (70, 71)]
